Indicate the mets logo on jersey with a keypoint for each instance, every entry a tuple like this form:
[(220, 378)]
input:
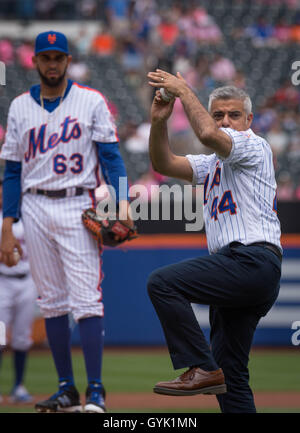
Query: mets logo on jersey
[(37, 142), (51, 39)]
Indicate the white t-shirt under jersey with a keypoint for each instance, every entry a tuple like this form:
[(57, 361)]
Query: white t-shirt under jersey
[(239, 192)]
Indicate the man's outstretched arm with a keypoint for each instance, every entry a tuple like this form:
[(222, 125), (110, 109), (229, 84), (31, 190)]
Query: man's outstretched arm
[(163, 159), (200, 120)]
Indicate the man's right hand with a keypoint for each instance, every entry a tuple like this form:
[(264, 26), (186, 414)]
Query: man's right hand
[(8, 244), (161, 110)]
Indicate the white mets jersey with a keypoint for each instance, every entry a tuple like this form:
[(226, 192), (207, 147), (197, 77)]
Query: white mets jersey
[(239, 192), (56, 149)]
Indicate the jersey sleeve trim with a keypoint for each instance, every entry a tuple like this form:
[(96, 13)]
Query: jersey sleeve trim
[(246, 149), (200, 165), (105, 129), (103, 99), (194, 168), (229, 157)]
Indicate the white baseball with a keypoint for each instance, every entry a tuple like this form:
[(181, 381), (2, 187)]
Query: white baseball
[(16, 257), (167, 96)]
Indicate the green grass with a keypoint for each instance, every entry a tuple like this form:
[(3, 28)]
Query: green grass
[(122, 371), (275, 370), (134, 371)]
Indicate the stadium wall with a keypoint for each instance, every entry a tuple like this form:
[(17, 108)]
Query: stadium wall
[(130, 318)]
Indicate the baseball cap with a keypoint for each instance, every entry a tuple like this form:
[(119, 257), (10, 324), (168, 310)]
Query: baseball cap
[(51, 40)]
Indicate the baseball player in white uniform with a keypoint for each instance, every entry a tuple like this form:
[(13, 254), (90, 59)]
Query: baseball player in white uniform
[(17, 305), (58, 134), (240, 278)]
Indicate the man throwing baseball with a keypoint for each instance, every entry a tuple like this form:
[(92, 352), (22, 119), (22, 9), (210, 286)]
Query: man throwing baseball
[(240, 278), (57, 134)]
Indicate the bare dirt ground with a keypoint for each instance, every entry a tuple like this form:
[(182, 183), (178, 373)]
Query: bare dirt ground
[(155, 401)]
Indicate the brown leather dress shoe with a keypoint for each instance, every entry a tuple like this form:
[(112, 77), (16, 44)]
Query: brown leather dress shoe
[(194, 381)]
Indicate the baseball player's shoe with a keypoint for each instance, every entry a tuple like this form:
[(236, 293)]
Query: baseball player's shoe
[(194, 381), (20, 395), (95, 399), (67, 399)]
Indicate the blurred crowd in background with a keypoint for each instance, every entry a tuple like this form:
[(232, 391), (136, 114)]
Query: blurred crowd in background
[(249, 44)]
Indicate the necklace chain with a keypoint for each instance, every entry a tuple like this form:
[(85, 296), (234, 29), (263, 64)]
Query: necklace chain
[(56, 110)]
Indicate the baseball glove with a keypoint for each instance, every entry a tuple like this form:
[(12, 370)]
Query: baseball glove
[(109, 232)]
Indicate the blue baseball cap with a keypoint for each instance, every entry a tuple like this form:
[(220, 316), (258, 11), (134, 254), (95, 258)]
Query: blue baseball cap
[(51, 40)]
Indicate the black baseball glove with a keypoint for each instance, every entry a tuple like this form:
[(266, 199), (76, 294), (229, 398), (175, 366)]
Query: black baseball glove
[(108, 232)]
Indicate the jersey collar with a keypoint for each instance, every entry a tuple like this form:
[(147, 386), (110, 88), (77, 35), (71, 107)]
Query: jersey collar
[(36, 90)]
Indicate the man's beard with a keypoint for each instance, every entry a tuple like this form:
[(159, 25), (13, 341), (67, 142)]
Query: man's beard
[(52, 82)]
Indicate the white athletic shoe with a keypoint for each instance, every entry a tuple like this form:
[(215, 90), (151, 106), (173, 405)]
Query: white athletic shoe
[(20, 395), (95, 399)]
